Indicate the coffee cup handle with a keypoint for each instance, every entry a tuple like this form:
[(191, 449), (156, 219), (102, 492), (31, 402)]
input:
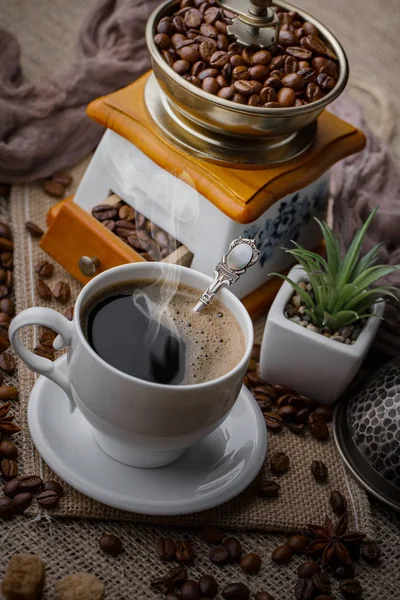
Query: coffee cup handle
[(47, 318)]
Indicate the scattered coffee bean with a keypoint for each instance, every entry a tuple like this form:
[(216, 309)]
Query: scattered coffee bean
[(250, 563), (254, 379), (4, 319), (308, 569), (350, 589), (211, 535), (268, 489), (326, 412), (273, 421), (8, 450), (298, 543), (236, 591), (319, 470), (345, 571), (370, 550), (30, 483), (9, 469), (23, 501), (69, 313), (62, 291), (252, 366), (62, 178), (279, 462), (7, 508), (5, 231), (208, 586), (177, 575), (287, 413), (43, 290), (9, 280), (321, 583), (263, 596), (338, 503), (219, 555), (318, 427), (6, 245), (282, 555), (166, 548), (4, 291), (164, 586), (304, 589), (44, 352), (190, 590), (53, 188), (184, 552), (53, 486), (33, 229), (48, 499), (7, 392), (103, 212), (234, 548), (11, 488), (296, 428), (44, 269), (8, 364), (255, 353), (108, 543), (7, 306)]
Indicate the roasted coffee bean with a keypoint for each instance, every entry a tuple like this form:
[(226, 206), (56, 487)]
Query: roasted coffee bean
[(7, 392), (273, 421), (296, 428), (299, 53), (181, 66), (263, 596), (313, 92), (326, 412), (162, 585), (240, 73), (4, 343), (308, 569), (291, 66), (62, 178), (210, 85), (255, 379), (33, 229), (47, 336), (350, 589), (250, 563), (5, 231), (219, 555), (190, 590), (7, 364), (321, 583), (294, 81), (345, 571), (263, 402), (219, 59), (7, 508), (7, 260), (208, 586), (190, 53), (297, 543), (23, 501), (44, 352), (9, 469), (166, 548), (30, 483), (318, 427), (268, 489), (243, 87), (370, 551), (54, 188), (184, 552), (255, 352), (43, 290), (282, 555), (8, 450), (287, 38), (259, 72), (44, 269), (313, 43), (279, 462), (53, 486), (287, 413), (286, 97), (302, 416), (103, 212), (234, 548), (236, 591), (319, 470), (5, 319), (48, 499), (268, 94), (326, 82), (6, 245), (4, 291), (177, 575), (11, 489), (227, 93), (338, 503), (304, 589), (62, 291), (108, 543), (193, 18), (254, 100), (211, 535)]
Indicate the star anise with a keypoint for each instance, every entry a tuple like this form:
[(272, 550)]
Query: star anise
[(6, 424), (331, 540)]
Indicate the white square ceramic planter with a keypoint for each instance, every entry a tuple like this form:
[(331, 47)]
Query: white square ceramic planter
[(310, 363)]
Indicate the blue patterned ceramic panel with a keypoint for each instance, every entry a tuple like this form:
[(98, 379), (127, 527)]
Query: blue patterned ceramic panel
[(294, 213)]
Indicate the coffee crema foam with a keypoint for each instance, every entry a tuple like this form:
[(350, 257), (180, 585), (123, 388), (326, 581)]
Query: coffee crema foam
[(213, 338)]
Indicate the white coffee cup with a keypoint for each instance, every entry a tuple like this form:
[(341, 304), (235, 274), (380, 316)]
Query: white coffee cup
[(134, 421)]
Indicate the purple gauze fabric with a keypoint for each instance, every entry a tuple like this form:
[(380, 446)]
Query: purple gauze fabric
[(43, 125)]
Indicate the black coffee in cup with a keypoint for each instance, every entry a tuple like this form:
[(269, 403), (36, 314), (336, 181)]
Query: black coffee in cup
[(149, 330)]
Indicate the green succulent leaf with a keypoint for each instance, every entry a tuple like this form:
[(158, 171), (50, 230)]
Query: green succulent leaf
[(332, 249), (368, 260), (305, 296)]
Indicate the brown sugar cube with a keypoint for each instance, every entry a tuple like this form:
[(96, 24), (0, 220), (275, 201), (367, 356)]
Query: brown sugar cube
[(24, 578), (80, 586)]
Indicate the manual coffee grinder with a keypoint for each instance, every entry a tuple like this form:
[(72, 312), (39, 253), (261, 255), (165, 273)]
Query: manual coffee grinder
[(204, 170)]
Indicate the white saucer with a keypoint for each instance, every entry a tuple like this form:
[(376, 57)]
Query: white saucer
[(208, 474)]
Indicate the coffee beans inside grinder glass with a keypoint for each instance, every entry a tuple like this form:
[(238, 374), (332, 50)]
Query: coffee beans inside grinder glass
[(301, 69)]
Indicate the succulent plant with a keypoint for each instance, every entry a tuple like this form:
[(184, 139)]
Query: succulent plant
[(341, 288)]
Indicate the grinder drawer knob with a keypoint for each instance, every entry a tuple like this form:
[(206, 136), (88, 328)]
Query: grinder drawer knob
[(89, 266)]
